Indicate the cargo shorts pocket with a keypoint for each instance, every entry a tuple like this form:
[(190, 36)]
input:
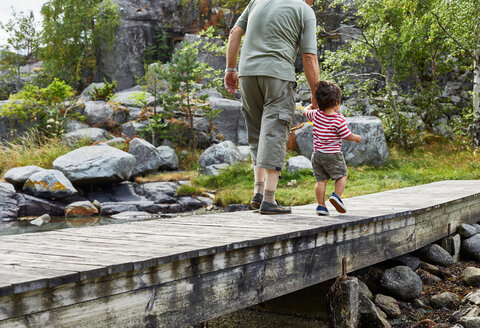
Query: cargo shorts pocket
[(287, 118)]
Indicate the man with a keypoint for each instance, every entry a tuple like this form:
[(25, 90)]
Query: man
[(274, 31)]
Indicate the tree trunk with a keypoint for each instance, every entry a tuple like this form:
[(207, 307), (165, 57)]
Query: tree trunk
[(476, 98)]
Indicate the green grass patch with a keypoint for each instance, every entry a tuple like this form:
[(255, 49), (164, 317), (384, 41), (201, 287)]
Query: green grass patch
[(436, 161)]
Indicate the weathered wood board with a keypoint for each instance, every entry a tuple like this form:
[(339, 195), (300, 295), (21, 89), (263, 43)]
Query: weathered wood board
[(178, 272)]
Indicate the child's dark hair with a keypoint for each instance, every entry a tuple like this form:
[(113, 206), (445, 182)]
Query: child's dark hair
[(327, 94)]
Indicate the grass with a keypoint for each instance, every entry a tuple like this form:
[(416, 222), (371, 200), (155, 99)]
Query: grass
[(437, 160)]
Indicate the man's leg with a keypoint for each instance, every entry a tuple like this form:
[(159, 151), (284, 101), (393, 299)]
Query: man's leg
[(271, 183)]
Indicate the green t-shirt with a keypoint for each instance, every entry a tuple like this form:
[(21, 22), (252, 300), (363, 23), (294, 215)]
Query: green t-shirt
[(274, 31)]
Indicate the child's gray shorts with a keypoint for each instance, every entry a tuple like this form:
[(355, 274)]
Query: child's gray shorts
[(328, 166)]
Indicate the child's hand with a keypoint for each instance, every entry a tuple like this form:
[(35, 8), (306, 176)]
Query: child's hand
[(359, 139), (308, 107)]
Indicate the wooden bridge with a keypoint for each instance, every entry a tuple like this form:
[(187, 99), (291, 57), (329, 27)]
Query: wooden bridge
[(178, 272)]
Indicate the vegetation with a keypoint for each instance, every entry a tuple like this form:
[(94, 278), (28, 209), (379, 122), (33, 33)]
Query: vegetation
[(104, 92)]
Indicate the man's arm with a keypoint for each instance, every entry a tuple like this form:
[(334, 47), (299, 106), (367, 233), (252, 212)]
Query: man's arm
[(233, 48), (310, 67)]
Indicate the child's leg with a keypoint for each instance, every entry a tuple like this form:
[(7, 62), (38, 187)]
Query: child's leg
[(340, 185), (320, 188)]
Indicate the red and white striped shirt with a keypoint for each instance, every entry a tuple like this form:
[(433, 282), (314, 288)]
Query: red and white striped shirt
[(328, 130)]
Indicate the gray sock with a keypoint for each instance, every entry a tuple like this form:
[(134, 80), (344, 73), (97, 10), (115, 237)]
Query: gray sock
[(269, 196), (258, 188)]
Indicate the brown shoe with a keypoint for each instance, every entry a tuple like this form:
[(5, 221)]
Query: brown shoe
[(271, 208)]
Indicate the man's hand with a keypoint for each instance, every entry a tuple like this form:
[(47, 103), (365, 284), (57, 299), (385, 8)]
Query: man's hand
[(231, 82)]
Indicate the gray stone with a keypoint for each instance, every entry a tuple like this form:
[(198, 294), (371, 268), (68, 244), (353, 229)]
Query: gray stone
[(158, 192), (115, 208), (467, 230), (370, 315), (452, 245), (470, 322), (115, 142), (8, 202), (471, 276), (85, 95), (96, 165), (129, 98), (388, 304), (189, 203), (412, 262), (49, 184), (402, 283), (146, 155), (371, 151), (41, 220), (214, 169), (74, 125), (168, 158), (227, 121), (436, 254), (17, 176), (472, 298), (344, 300), (471, 246), (99, 114), (201, 124), (298, 163), (33, 206), (237, 208), (477, 226), (132, 129), (431, 268), (132, 215), (244, 152), (363, 289), (134, 113), (448, 300), (224, 152), (92, 134)]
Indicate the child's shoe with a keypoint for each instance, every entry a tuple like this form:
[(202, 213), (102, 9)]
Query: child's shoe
[(337, 203), (322, 210)]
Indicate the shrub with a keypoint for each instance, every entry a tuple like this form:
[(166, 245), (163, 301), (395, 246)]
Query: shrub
[(104, 92)]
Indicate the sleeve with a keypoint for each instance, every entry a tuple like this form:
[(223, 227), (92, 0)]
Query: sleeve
[(343, 130), (310, 114), (243, 19), (308, 38)]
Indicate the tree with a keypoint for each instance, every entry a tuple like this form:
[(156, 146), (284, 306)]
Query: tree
[(72, 33)]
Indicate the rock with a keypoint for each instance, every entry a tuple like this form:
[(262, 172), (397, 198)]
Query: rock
[(214, 169), (237, 208), (446, 299), (224, 152), (129, 98), (115, 208), (17, 176), (132, 129), (122, 192), (412, 262), (158, 192), (402, 282), (244, 152), (85, 95), (388, 304), (471, 276), (298, 163), (370, 315), (436, 254), (189, 203), (452, 245), (49, 184), (477, 226), (428, 278), (33, 206), (371, 151), (99, 114), (430, 268), (426, 323), (344, 303), (472, 298), (470, 322), (40, 220), (8, 202), (92, 134), (168, 158), (80, 209), (228, 120), (135, 113), (116, 142), (363, 289), (132, 215), (96, 165), (471, 246), (72, 125), (201, 124), (146, 155), (467, 230)]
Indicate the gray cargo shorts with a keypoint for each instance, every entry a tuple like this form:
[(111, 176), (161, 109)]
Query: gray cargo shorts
[(328, 166), (268, 105)]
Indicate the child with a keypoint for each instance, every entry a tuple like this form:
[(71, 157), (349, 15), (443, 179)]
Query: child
[(329, 128)]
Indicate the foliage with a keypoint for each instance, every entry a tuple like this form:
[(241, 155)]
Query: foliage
[(46, 106), (104, 92), (159, 50), (73, 31)]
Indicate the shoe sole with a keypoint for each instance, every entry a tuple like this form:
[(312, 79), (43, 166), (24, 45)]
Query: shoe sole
[(274, 212), (322, 213), (338, 206), (255, 205)]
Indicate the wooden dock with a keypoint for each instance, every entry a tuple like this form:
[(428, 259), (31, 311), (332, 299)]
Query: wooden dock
[(181, 271)]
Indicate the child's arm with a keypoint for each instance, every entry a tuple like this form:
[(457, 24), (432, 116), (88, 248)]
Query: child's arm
[(304, 111), (354, 137)]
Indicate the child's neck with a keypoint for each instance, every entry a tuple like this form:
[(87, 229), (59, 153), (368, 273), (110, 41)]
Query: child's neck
[(331, 110)]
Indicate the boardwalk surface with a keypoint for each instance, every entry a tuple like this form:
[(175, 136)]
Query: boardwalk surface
[(176, 272)]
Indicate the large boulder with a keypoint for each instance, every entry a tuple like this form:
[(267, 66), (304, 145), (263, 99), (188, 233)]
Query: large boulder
[(132, 128), (168, 158), (17, 176), (122, 192), (471, 246), (33, 206), (224, 152), (230, 121), (401, 282), (140, 21), (49, 184), (95, 165), (436, 254), (147, 157), (158, 192), (298, 163), (92, 134), (8, 202), (99, 114), (371, 151)]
